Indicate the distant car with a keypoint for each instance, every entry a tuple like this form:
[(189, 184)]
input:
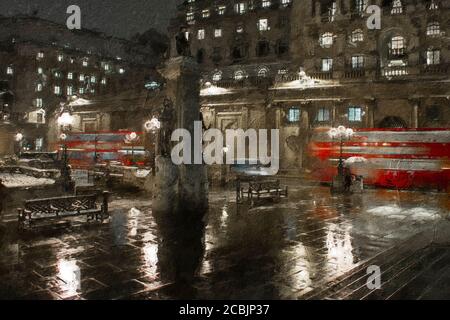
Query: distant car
[(40, 160), (255, 168)]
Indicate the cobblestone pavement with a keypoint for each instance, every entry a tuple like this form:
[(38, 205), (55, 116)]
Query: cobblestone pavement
[(312, 245)]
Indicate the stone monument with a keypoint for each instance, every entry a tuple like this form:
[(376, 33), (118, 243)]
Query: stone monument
[(179, 189)]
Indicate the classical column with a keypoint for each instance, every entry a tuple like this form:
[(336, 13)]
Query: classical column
[(415, 104), (371, 107)]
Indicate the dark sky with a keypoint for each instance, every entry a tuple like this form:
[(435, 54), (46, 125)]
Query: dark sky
[(121, 18)]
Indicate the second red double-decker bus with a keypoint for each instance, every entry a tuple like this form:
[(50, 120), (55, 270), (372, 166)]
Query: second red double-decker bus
[(390, 158), (121, 147)]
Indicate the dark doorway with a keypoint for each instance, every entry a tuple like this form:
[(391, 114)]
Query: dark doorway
[(393, 122)]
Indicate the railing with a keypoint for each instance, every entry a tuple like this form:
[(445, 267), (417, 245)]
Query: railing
[(322, 75), (247, 82), (435, 69), (395, 71), (354, 73)]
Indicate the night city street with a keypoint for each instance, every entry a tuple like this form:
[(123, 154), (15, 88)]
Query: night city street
[(289, 250), (224, 158)]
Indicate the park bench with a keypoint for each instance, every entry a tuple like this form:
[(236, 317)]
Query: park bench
[(64, 207), (260, 188)]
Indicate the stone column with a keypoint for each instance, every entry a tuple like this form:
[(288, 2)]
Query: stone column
[(415, 113), (182, 189)]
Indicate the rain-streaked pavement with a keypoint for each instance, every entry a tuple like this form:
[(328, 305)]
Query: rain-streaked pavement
[(312, 245)]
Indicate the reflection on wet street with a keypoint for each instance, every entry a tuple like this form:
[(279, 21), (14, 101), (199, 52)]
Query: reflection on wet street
[(287, 250)]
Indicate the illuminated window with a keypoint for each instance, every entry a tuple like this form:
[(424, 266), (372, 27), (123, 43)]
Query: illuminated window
[(327, 64), (357, 35), (69, 90), (263, 24), (9, 70), (397, 46), (285, 3), (201, 34), (93, 79), (326, 40), (205, 14), (360, 5), (240, 8), (81, 77), (190, 17), (39, 102), (354, 114), (357, 62), (85, 63), (40, 55), (323, 115), (218, 33), (40, 70), (217, 76), (293, 115), (239, 75), (70, 75), (433, 56), (221, 10), (39, 87), (81, 90), (57, 90), (433, 29), (107, 67), (104, 81), (263, 72), (60, 58), (265, 3)]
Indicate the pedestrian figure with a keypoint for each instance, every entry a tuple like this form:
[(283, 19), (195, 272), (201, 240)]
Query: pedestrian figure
[(347, 179)]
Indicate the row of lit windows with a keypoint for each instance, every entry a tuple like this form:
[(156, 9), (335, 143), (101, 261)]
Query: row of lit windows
[(354, 114), (361, 5), (40, 86), (327, 39), (262, 25), (85, 61), (239, 8), (433, 57)]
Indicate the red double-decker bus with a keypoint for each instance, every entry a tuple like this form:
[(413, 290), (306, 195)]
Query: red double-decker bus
[(85, 149), (390, 158)]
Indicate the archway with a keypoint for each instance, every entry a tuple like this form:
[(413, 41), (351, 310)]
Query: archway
[(393, 122)]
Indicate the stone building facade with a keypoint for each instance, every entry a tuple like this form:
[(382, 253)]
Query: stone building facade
[(44, 65), (335, 71)]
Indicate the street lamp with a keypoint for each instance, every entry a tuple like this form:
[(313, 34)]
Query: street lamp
[(152, 125), (18, 138), (342, 133), (132, 138)]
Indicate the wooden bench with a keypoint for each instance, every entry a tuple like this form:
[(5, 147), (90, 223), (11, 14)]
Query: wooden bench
[(258, 189), (64, 207)]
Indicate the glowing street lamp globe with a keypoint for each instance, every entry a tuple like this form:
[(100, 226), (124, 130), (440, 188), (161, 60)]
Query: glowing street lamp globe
[(152, 125), (63, 136), (65, 119), (333, 133), (18, 137), (133, 136)]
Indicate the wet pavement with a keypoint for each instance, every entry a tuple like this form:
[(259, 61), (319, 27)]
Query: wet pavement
[(310, 246)]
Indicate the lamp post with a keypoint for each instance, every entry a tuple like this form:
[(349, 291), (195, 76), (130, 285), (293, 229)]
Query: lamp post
[(18, 138), (342, 133), (152, 126), (65, 121)]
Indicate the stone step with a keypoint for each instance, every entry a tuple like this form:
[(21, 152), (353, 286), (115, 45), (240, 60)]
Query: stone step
[(357, 277)]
